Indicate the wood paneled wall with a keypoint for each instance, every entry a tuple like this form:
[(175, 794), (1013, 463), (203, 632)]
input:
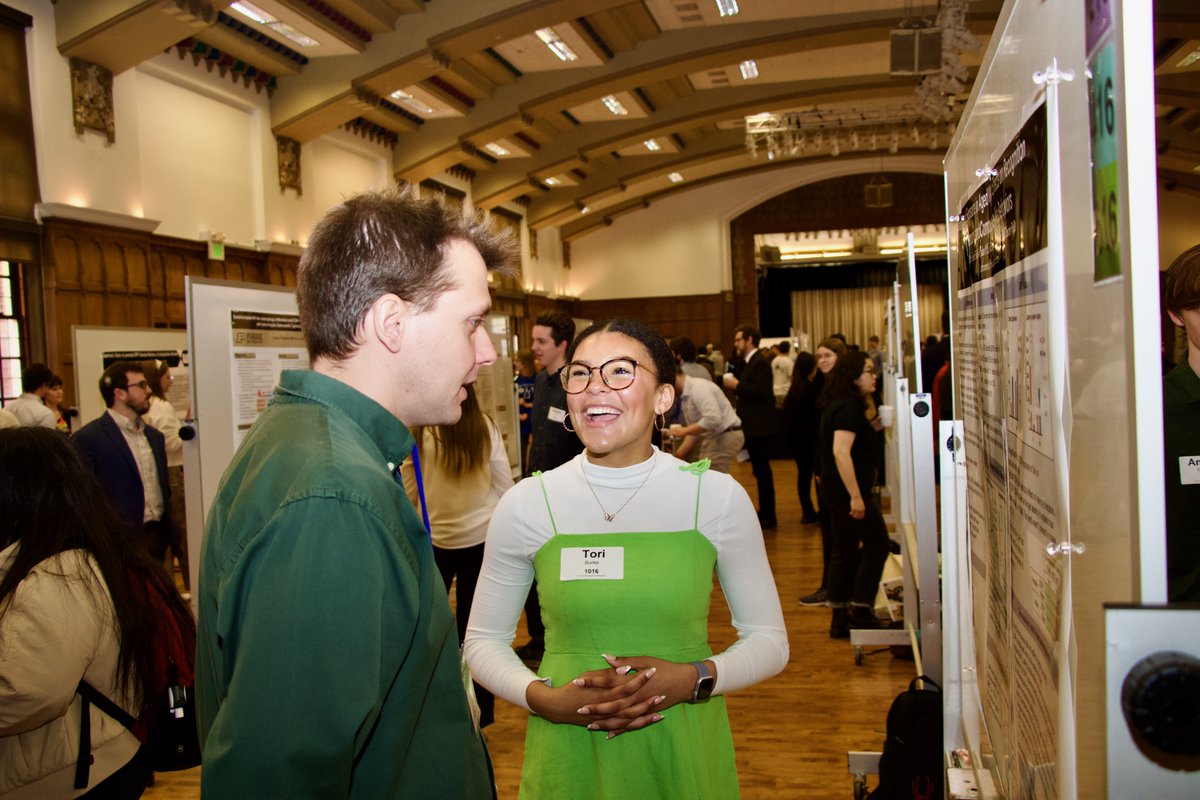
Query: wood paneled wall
[(703, 318), (105, 276)]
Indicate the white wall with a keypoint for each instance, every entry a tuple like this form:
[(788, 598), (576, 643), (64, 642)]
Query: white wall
[(193, 150), (1178, 224), (680, 245)]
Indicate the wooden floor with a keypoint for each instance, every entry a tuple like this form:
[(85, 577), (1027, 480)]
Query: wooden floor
[(792, 732)]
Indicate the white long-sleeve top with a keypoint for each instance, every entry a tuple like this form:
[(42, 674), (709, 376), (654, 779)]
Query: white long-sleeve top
[(459, 506), (667, 502)]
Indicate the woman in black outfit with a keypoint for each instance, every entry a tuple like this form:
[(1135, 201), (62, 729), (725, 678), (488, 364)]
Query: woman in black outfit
[(849, 461), (828, 352), (800, 414)]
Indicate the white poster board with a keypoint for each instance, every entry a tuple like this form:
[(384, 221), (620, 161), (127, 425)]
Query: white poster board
[(95, 347), (1062, 443), (237, 332)]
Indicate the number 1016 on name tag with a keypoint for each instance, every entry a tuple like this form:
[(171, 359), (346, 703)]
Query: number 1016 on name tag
[(592, 563)]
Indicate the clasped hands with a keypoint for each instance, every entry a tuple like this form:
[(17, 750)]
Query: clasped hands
[(627, 696)]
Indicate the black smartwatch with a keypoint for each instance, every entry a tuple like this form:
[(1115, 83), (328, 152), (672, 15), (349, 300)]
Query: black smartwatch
[(705, 681)]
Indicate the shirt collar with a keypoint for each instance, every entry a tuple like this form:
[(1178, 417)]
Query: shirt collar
[(389, 434), (135, 425)]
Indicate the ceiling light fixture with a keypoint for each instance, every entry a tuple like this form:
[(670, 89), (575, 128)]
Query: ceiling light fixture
[(252, 12), (675, 177), (556, 45), (552, 181), (410, 101), (614, 105), (727, 8), (1189, 59), (291, 34), (584, 210), (652, 145), (496, 150), (749, 70)]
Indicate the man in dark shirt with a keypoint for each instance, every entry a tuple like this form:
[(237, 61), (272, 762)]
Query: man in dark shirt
[(1181, 422), (552, 444), (751, 382)]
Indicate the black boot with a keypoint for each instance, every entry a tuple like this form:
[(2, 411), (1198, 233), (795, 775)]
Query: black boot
[(863, 617), (839, 625)]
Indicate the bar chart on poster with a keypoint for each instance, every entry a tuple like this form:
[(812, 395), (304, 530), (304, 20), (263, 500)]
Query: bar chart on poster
[(1043, 309)]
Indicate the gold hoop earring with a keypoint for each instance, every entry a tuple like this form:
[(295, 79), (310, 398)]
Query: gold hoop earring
[(567, 419), (660, 422)]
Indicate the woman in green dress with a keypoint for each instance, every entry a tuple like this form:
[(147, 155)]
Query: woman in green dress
[(624, 541)]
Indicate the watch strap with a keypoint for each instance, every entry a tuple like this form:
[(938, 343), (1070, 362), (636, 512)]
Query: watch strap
[(705, 682)]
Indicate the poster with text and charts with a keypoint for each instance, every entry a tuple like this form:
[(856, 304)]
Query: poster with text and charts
[(1014, 507), (262, 345)]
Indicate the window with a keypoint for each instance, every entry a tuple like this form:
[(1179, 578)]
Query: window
[(11, 322)]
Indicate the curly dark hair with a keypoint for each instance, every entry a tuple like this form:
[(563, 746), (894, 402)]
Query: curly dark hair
[(652, 340)]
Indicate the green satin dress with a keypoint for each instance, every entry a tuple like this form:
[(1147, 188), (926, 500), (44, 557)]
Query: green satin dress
[(658, 608)]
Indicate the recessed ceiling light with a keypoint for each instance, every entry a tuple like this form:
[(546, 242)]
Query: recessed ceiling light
[(1189, 59), (675, 177), (407, 99), (749, 70), (652, 145), (252, 12), (552, 181), (584, 210), (292, 35), (496, 149), (556, 45), (727, 8), (614, 105)]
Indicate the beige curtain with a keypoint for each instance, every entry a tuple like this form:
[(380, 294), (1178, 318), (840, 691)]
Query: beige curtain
[(859, 313)]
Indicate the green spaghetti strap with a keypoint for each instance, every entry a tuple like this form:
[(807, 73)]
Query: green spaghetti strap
[(697, 468), (538, 474)]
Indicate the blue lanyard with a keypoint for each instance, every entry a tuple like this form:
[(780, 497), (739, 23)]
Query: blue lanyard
[(416, 459)]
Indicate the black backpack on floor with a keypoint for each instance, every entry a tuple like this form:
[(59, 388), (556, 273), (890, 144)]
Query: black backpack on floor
[(911, 767)]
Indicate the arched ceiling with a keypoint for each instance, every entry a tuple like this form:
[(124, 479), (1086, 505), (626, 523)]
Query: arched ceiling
[(470, 84)]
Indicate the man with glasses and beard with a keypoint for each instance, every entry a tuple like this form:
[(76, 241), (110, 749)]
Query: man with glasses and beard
[(129, 458)]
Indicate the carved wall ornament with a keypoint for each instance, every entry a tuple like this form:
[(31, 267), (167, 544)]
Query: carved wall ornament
[(289, 164), (92, 98)]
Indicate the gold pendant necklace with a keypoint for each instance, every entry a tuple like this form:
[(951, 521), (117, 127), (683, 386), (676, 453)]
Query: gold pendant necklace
[(607, 516)]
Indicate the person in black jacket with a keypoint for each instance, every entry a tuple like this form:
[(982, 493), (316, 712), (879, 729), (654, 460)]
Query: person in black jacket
[(752, 383), (800, 420), (129, 458)]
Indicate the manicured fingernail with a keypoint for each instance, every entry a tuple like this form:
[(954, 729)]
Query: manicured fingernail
[(659, 699), (595, 726), (610, 735), (651, 671), (579, 682), (623, 670), (607, 657), (584, 711), (657, 718)]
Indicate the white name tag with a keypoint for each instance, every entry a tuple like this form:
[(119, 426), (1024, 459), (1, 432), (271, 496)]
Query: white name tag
[(1189, 469), (556, 414), (592, 564)]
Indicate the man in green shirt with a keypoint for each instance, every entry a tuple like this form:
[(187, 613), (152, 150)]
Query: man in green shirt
[(1181, 421), (327, 663)]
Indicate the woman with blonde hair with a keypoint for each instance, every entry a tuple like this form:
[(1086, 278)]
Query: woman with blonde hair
[(464, 471)]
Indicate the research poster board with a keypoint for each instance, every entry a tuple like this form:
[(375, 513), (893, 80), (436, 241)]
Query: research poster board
[(240, 336), (1059, 402), (497, 393), (95, 348), (1014, 486)]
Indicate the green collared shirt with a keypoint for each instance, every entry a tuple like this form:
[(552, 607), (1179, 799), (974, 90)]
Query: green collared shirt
[(327, 663), (1181, 445)]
